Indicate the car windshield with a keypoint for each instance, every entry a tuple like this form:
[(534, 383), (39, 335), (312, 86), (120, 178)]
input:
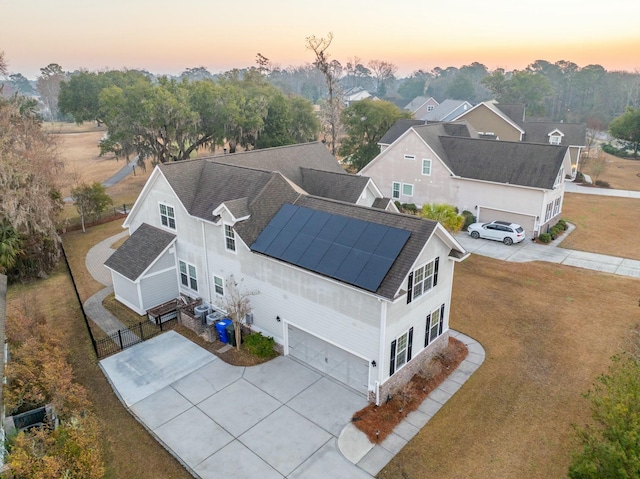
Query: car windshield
[(519, 230)]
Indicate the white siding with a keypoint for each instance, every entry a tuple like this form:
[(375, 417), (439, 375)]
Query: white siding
[(127, 292), (158, 289), (167, 260)]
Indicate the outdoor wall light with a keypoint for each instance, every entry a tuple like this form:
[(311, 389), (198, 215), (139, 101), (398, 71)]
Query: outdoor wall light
[(373, 363), (278, 318)]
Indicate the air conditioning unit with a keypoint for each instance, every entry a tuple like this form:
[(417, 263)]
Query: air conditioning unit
[(214, 317), (248, 318), (201, 312)]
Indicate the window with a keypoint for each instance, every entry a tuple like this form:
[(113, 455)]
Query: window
[(547, 215), (188, 276), (230, 238), (218, 285), (430, 107), (426, 167), (559, 178), (422, 280), (167, 216), (556, 207), (407, 189), (555, 139), (435, 322), (395, 190), (409, 157), (400, 351)]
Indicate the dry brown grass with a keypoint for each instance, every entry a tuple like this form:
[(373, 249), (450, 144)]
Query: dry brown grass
[(620, 174), (548, 330), (606, 225)]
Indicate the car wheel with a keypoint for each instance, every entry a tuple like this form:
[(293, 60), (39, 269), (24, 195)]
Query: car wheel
[(475, 235), (508, 241)]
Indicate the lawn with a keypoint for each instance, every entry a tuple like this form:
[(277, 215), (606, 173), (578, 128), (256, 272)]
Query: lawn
[(620, 174), (604, 224), (548, 330)]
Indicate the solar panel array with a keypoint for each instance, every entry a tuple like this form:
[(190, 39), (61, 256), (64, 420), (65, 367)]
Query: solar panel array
[(354, 251)]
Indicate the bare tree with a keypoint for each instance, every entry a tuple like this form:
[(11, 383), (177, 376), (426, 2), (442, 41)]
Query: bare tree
[(4, 68), (237, 305), (49, 87), (383, 72), (597, 166), (331, 70)]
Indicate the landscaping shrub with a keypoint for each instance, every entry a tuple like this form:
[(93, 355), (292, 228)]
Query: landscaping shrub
[(555, 231), (563, 224), (409, 208), (261, 346), (544, 237), (469, 219), (612, 150), (602, 184), (579, 177)]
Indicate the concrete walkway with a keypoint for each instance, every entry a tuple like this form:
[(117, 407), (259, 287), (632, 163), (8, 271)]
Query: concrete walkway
[(280, 419), (571, 187)]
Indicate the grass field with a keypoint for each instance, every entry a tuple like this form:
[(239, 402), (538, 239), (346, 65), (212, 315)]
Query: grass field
[(548, 331), (606, 225), (620, 174)]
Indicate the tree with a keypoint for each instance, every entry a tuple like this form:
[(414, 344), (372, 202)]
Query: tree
[(49, 82), (4, 69), (461, 88), (627, 127), (611, 445), (90, 200), (331, 71), (366, 121), (29, 175), (413, 86), (21, 84), (446, 215), (383, 72), (11, 246), (237, 305)]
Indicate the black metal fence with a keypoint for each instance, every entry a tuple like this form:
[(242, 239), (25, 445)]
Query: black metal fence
[(124, 338), (114, 212)]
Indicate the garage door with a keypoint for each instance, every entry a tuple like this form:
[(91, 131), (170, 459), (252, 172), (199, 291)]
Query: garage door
[(329, 359), (491, 214)]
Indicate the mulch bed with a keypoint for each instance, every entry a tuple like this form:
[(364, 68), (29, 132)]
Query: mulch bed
[(377, 422)]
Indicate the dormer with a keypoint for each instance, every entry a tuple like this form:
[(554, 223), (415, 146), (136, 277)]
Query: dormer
[(555, 137)]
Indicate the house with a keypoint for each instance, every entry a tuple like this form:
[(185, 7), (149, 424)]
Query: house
[(346, 283), (421, 105), (507, 122), (495, 180), (446, 111), (354, 94)]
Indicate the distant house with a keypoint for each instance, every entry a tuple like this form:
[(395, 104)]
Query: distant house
[(449, 163), (356, 94), (507, 122), (448, 110), (420, 106), (346, 284)]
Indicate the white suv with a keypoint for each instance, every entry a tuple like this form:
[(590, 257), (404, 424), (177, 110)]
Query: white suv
[(508, 233)]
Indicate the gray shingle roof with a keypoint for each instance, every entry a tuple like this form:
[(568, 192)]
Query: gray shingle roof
[(337, 186), (514, 111), (139, 251), (575, 134), (444, 110), (512, 162), (397, 129)]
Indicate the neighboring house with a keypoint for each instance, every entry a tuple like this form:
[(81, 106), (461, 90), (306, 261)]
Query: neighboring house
[(506, 122), (358, 292), (356, 93), (495, 180), (420, 106), (446, 111)]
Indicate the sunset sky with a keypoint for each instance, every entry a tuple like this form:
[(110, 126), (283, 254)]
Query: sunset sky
[(169, 36)]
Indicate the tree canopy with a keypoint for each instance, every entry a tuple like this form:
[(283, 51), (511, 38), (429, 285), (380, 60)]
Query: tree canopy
[(445, 214), (365, 122), (627, 127)]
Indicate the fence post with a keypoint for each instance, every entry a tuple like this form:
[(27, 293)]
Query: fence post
[(140, 328), (120, 340), (124, 208)]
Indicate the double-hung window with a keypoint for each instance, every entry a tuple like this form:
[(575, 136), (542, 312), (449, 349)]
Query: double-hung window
[(188, 276), (422, 280), (556, 206), (549, 212), (167, 216), (426, 167), (434, 328), (218, 285), (400, 351), (395, 190), (230, 238)]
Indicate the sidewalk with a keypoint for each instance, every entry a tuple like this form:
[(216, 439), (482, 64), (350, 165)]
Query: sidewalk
[(571, 187)]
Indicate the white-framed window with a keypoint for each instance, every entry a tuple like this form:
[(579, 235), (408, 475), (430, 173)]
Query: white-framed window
[(229, 238), (167, 216), (555, 139), (188, 276), (426, 166), (422, 279), (409, 157), (430, 107), (400, 351), (559, 178), (395, 190), (407, 189), (434, 327), (549, 212), (556, 206), (218, 285)]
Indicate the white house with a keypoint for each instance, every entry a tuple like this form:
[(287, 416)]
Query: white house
[(359, 292), (448, 163)]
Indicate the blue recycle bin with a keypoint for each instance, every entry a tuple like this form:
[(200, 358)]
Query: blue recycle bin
[(221, 328)]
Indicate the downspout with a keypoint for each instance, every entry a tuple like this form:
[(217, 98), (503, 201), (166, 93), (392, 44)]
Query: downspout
[(206, 262), (381, 349)]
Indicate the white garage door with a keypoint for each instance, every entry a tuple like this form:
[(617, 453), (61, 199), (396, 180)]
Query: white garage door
[(491, 214), (329, 359)]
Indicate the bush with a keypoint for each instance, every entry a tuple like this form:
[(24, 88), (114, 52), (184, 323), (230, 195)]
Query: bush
[(602, 184), (469, 219), (409, 207), (579, 177), (562, 223), (612, 150), (544, 238), (555, 231), (261, 346)]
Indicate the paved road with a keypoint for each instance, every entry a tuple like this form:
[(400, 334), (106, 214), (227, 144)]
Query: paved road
[(571, 187)]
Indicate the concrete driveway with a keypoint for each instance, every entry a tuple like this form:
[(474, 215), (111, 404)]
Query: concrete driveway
[(275, 420)]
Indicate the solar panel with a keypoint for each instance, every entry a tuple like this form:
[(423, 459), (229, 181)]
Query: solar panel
[(351, 250)]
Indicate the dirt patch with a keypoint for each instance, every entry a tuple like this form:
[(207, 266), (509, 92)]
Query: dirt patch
[(377, 422)]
